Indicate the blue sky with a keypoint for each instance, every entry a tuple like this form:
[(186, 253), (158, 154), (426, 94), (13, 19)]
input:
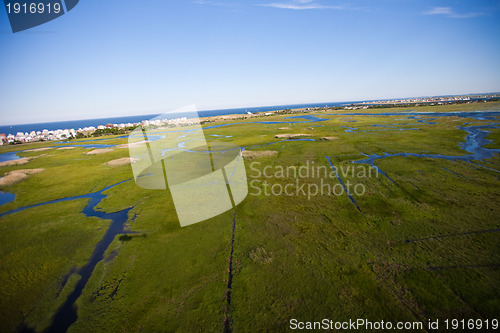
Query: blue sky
[(118, 58)]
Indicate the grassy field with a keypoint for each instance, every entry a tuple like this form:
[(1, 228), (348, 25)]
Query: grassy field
[(420, 243)]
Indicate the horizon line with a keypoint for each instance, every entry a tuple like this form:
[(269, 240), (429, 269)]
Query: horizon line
[(253, 107)]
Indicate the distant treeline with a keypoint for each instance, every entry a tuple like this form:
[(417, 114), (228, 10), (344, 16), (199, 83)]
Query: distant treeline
[(103, 132)]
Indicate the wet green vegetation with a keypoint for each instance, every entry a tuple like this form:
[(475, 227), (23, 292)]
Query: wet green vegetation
[(424, 244)]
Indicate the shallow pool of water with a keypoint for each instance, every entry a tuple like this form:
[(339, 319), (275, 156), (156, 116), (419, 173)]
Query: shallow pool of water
[(9, 156), (6, 197)]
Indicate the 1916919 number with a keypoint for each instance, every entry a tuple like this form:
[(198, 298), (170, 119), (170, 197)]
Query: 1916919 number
[(33, 8), (471, 324)]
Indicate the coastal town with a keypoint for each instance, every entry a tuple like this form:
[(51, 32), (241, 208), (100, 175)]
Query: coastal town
[(69, 134), (435, 100), (123, 128)]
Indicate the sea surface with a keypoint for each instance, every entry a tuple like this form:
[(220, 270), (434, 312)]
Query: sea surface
[(76, 124)]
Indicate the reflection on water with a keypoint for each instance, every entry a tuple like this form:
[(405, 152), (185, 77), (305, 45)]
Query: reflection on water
[(6, 197), (9, 156)]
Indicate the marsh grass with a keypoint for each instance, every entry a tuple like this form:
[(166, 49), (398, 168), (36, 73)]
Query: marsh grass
[(418, 248)]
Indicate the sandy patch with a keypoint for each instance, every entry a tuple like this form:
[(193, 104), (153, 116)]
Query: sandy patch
[(66, 148), (134, 144), (39, 149), (290, 136), (329, 138), (122, 161), (99, 151), (20, 161), (256, 154), (27, 171), (284, 128), (17, 176)]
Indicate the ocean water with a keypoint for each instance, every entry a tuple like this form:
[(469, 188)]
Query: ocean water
[(134, 119), (71, 124)]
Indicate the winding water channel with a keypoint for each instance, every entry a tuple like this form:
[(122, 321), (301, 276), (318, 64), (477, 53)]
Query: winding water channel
[(473, 146), (67, 314)]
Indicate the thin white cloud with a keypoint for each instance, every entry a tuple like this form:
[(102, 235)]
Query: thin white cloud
[(213, 3), (439, 10), (300, 5), (449, 12)]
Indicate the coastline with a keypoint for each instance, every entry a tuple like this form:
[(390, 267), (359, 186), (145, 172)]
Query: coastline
[(52, 126), (60, 134)]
